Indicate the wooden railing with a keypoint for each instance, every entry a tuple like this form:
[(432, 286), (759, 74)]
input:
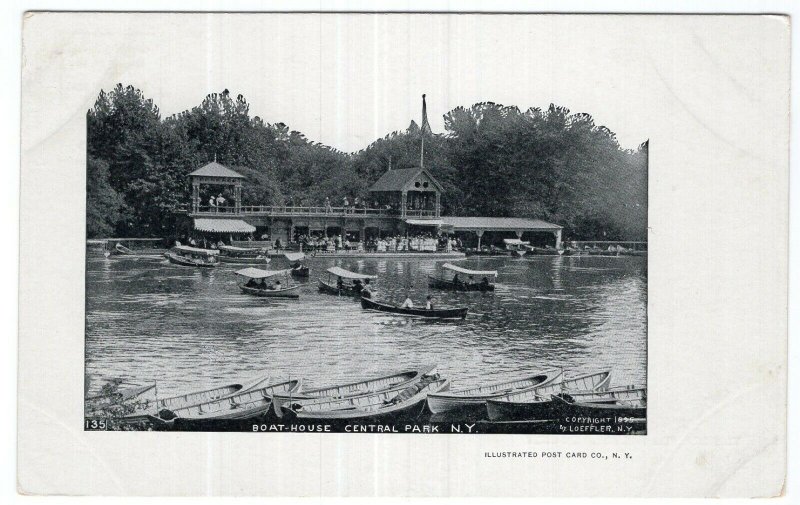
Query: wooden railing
[(285, 210)]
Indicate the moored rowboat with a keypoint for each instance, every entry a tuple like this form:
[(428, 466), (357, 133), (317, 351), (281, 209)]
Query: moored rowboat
[(366, 386), (535, 403), (244, 405), (447, 313), (391, 405), (148, 409), (565, 406), (474, 399)]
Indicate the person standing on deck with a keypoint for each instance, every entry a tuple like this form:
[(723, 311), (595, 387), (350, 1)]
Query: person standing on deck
[(212, 203)]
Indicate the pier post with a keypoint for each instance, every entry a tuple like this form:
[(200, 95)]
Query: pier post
[(403, 200), (479, 233), (558, 238)]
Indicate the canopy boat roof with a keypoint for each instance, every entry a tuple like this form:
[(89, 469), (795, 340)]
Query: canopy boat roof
[(257, 273), (239, 249), (195, 250), (467, 271), (347, 274), (294, 256), (515, 241)]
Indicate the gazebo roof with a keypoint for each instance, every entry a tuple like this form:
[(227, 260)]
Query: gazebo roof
[(399, 179), (215, 169)]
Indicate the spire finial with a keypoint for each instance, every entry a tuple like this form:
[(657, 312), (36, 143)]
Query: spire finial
[(215, 156)]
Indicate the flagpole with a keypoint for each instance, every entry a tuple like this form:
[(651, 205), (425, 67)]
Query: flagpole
[(422, 134)]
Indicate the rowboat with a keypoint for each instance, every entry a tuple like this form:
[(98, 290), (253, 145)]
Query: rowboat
[(535, 403), (405, 402), (192, 256), (244, 405), (129, 396), (366, 386), (298, 268), (253, 281), (545, 251), (121, 249), (610, 395), (446, 313), (565, 406), (243, 255), (473, 400), (340, 286), (151, 408), (516, 246), (456, 284)]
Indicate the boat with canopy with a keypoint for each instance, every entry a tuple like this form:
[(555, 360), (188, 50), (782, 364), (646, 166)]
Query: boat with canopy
[(267, 283), (299, 269), (192, 256), (516, 245), (344, 282), (243, 255), (367, 386), (456, 283)]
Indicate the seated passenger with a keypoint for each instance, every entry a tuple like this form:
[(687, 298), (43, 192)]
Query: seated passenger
[(252, 283), (407, 304), (276, 286), (429, 303)]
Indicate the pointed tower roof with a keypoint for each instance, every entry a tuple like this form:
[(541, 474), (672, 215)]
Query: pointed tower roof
[(215, 169)]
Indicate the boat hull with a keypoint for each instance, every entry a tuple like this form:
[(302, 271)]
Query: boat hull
[(268, 293), (564, 409), (473, 400), (373, 385), (518, 411), (244, 261), (454, 313), (188, 262), (301, 273), (373, 408), (331, 289), (437, 283)]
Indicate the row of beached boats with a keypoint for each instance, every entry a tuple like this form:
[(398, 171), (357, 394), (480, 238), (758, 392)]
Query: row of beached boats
[(404, 395)]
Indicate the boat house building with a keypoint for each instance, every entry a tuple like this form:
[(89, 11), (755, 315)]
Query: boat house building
[(402, 201)]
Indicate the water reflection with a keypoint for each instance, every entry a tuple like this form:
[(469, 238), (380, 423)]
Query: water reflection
[(150, 320)]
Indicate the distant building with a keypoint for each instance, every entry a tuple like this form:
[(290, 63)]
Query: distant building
[(402, 201)]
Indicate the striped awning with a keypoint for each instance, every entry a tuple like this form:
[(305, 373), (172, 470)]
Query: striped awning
[(222, 225)]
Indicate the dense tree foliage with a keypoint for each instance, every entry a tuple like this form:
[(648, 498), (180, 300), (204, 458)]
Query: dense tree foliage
[(493, 160)]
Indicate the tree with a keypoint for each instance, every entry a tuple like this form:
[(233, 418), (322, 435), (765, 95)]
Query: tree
[(104, 206)]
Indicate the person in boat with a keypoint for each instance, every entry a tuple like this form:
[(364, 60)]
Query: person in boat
[(357, 286), (366, 291), (485, 283), (252, 283), (456, 280), (339, 283), (429, 302), (471, 281), (408, 303), (262, 284), (277, 286)]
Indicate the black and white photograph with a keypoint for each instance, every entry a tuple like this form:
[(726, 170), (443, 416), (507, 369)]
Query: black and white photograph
[(474, 267)]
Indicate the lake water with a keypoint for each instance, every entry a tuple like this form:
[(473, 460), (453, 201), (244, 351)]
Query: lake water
[(189, 328)]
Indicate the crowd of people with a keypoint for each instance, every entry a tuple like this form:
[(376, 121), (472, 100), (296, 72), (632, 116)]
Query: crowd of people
[(425, 242)]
